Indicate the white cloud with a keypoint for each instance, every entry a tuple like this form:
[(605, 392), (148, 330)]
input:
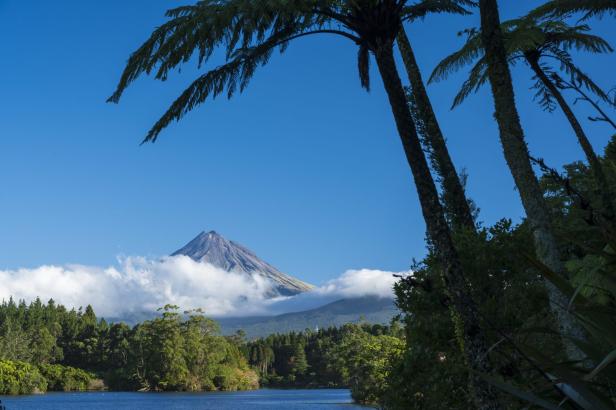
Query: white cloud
[(138, 285), (362, 282)]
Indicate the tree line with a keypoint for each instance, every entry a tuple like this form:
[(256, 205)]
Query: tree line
[(553, 345), (335, 357), (46, 347), (49, 347)]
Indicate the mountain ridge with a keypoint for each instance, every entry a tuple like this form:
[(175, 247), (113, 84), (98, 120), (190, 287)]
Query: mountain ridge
[(370, 309)]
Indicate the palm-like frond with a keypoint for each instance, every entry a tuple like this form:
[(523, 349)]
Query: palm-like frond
[(228, 77), (543, 95), (477, 78), (582, 79), (250, 30), (363, 66), (470, 51), (548, 39), (423, 8), (589, 8), (201, 28), (574, 37)]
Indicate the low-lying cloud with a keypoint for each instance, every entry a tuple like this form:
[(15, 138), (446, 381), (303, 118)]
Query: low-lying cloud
[(362, 282), (137, 285)]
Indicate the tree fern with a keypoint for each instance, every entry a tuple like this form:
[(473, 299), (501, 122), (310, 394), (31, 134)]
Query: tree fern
[(550, 40), (248, 31)]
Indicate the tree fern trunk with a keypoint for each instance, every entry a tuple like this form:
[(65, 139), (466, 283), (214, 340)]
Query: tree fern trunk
[(591, 156), (517, 157), (475, 348), (453, 192)]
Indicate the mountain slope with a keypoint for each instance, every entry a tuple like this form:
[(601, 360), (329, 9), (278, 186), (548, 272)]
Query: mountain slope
[(212, 248), (371, 309)]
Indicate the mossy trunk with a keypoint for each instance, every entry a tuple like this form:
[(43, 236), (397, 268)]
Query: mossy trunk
[(518, 160), (591, 156), (456, 204), (464, 308)]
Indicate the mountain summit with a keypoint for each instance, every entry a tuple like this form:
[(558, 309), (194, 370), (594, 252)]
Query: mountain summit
[(212, 248)]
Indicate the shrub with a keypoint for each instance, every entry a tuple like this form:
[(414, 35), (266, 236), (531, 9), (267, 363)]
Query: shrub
[(65, 378), (20, 378)]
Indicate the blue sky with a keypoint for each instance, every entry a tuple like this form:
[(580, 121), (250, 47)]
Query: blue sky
[(305, 167)]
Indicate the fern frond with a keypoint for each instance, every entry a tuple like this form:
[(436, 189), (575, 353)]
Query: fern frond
[(470, 51), (563, 8), (423, 8), (584, 81), (228, 77), (363, 65), (543, 95), (201, 28), (478, 76), (577, 38)]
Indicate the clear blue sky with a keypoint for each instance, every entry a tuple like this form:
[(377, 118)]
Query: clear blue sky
[(305, 167)]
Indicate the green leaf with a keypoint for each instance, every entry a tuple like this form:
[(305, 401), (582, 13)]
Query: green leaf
[(521, 394), (604, 363)]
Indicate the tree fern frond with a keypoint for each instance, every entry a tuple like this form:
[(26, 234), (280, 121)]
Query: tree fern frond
[(520, 36), (524, 38), (203, 27), (589, 8), (423, 8), (584, 81), (543, 95), (478, 76), (230, 76), (576, 38), (363, 65), (470, 51)]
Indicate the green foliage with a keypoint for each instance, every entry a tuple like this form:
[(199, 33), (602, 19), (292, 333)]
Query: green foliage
[(173, 352), (527, 38), (588, 8), (250, 31), (530, 361), (20, 378), (588, 241), (358, 357), (432, 373), (73, 348), (65, 378), (366, 361)]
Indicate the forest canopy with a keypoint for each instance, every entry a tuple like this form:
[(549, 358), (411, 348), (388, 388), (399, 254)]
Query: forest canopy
[(48, 347)]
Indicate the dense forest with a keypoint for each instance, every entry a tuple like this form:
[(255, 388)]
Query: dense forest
[(48, 347), (354, 355)]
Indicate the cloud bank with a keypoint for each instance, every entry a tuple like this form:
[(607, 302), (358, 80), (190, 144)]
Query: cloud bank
[(137, 285), (363, 282)]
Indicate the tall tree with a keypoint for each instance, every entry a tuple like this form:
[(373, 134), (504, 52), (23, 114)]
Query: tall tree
[(538, 43), (456, 204), (518, 159), (372, 25), (454, 196)]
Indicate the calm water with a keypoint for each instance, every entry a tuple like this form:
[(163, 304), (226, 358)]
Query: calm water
[(257, 400)]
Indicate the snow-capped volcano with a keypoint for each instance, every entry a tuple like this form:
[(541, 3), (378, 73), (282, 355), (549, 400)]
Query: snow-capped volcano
[(212, 248)]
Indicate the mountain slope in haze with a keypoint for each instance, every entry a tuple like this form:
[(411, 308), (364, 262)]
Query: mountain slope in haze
[(371, 309), (212, 248)]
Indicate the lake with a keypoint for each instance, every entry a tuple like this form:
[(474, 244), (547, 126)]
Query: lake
[(318, 399)]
